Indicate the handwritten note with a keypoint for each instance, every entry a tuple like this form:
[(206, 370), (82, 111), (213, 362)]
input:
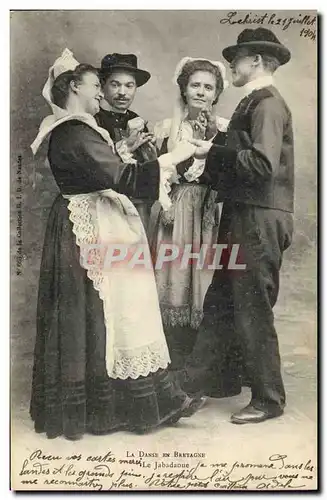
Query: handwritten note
[(176, 471), (307, 23)]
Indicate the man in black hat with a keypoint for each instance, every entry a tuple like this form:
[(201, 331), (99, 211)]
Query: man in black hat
[(254, 174), (120, 78)]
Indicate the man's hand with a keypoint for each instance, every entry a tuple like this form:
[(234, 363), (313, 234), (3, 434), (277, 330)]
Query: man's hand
[(136, 123), (136, 139), (202, 148)]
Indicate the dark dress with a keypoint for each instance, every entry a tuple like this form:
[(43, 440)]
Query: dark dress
[(71, 391), (116, 124)]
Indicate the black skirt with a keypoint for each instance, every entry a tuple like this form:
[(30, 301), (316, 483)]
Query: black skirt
[(71, 391)]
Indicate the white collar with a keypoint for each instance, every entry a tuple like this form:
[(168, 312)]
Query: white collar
[(258, 83), (52, 121)]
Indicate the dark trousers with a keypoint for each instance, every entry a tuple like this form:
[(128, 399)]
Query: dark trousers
[(238, 326)]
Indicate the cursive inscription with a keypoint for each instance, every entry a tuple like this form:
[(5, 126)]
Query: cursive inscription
[(170, 470), (305, 21)]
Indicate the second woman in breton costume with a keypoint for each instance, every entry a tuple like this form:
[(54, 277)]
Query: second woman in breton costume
[(193, 218), (100, 360)]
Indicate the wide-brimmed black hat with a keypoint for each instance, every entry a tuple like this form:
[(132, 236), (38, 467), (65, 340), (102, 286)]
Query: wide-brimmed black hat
[(260, 40), (112, 62)]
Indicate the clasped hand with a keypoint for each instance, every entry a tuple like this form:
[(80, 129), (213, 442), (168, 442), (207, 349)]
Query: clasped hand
[(144, 141), (137, 138), (205, 126), (202, 148)]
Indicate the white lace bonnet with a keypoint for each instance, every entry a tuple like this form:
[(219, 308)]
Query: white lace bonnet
[(66, 62)]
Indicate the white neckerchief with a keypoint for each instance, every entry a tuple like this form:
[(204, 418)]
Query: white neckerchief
[(52, 121), (258, 83)]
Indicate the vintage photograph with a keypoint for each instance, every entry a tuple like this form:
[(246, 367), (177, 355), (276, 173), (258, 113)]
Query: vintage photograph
[(163, 202)]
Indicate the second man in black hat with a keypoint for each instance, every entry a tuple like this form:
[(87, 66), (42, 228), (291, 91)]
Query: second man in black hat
[(120, 78)]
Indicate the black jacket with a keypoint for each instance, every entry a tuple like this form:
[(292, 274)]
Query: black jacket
[(115, 123), (82, 162)]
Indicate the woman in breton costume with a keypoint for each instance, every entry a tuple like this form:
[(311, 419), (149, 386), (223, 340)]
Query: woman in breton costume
[(193, 218), (100, 361)]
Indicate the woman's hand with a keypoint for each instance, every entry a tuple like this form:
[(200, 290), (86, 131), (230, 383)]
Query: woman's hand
[(136, 123), (199, 126), (202, 148), (211, 128), (149, 151), (199, 129)]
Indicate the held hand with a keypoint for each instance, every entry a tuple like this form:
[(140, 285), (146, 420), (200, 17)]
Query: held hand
[(136, 139), (149, 151), (199, 129), (211, 129), (202, 117), (202, 148), (136, 123)]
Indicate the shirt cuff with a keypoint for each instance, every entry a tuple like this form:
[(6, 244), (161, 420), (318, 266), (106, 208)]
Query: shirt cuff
[(168, 172), (124, 154)]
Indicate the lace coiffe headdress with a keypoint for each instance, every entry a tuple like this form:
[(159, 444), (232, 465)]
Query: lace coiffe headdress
[(66, 62), (180, 109)]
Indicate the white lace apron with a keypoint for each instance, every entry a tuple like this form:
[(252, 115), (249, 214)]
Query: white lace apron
[(135, 343)]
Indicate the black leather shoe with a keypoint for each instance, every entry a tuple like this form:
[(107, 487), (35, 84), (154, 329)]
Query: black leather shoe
[(252, 415), (74, 437)]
